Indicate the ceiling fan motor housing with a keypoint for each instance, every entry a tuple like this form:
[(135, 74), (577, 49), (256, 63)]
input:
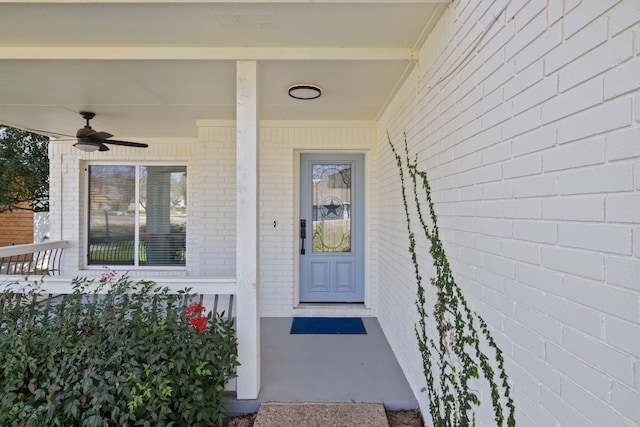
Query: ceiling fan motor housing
[(87, 115), (86, 130)]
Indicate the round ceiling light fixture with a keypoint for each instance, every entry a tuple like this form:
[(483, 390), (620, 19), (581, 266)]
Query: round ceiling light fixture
[(304, 91)]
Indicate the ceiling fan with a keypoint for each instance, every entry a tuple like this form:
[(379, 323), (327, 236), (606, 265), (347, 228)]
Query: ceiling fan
[(89, 140)]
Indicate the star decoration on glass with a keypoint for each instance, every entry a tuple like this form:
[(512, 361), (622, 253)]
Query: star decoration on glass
[(332, 209)]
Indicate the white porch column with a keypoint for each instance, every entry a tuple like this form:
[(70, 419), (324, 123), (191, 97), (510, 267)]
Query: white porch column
[(247, 261)]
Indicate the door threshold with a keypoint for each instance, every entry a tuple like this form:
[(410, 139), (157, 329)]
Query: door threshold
[(328, 303), (332, 309)]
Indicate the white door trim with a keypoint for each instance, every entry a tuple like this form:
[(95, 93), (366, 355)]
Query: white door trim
[(311, 309)]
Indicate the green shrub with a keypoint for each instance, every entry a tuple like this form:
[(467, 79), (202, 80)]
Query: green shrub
[(124, 354)]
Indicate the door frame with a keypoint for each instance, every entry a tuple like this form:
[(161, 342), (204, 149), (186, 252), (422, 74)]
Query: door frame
[(356, 308)]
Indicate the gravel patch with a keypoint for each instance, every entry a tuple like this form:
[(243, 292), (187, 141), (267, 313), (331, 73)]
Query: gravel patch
[(403, 418)]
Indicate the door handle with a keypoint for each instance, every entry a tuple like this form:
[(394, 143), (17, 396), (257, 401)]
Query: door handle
[(303, 234)]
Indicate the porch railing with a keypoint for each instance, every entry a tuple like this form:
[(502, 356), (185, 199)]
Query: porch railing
[(32, 259), (217, 303), (217, 295)]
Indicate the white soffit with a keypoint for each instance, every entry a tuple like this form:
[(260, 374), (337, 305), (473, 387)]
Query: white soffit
[(152, 68)]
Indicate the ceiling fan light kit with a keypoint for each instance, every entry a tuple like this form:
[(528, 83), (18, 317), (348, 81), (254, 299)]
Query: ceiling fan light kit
[(86, 146), (304, 91)]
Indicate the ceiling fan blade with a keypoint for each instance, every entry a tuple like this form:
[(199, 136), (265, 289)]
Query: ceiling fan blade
[(89, 140), (99, 136), (125, 143)]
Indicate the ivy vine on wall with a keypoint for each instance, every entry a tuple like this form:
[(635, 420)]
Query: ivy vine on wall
[(454, 359)]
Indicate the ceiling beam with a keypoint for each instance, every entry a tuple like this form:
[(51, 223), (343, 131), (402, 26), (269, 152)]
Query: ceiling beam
[(206, 53)]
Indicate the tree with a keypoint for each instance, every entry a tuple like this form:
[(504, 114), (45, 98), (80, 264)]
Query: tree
[(24, 170)]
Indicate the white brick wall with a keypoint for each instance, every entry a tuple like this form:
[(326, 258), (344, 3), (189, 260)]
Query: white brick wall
[(532, 144), (211, 161), (68, 196), (531, 141), (281, 143), (213, 206)]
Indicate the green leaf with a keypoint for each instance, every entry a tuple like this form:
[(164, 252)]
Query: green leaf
[(114, 357)]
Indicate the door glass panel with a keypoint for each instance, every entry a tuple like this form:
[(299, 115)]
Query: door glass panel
[(331, 199)]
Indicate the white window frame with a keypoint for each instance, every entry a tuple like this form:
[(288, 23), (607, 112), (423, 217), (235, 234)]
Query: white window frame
[(135, 266)]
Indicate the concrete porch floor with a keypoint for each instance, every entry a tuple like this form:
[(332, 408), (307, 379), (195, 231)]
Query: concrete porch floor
[(327, 368)]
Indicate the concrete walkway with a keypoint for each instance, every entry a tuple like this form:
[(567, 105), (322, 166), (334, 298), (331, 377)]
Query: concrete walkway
[(327, 369)]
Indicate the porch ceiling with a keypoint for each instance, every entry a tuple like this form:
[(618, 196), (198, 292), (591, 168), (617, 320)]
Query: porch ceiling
[(151, 68)]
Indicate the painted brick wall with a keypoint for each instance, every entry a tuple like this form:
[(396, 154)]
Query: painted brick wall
[(68, 195), (281, 143), (211, 229), (526, 115), (212, 216)]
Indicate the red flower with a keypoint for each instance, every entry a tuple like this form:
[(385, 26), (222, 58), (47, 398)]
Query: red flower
[(108, 276), (194, 315)]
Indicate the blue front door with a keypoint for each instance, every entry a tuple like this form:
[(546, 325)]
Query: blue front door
[(332, 228)]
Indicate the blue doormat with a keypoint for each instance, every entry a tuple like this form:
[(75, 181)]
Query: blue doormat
[(328, 326)]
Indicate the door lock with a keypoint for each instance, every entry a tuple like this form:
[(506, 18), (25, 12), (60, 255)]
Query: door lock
[(303, 234)]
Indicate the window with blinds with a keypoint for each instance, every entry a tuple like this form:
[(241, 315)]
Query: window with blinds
[(137, 215)]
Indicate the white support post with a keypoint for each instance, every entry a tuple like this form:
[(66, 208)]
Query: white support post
[(247, 259)]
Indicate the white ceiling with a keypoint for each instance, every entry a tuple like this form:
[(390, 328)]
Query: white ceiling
[(152, 68)]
